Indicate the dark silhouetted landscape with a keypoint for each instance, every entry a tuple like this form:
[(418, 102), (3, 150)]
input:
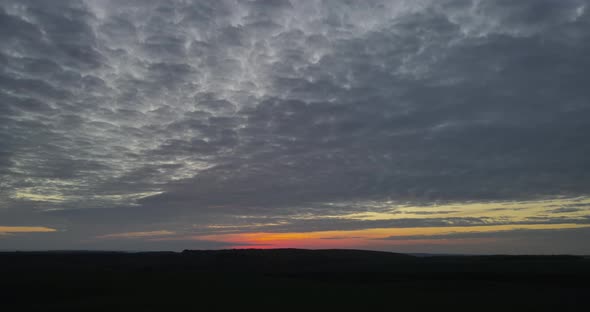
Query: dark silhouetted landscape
[(288, 277)]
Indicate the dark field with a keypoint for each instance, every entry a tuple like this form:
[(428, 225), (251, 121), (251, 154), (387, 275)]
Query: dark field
[(289, 278)]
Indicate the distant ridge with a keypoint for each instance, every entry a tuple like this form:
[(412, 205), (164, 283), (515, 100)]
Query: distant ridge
[(288, 259), (278, 276), (283, 260), (300, 252)]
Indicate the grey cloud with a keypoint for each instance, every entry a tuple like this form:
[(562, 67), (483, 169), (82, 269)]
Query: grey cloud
[(517, 234), (279, 107), (566, 210), (521, 242), (346, 224), (64, 241), (519, 18)]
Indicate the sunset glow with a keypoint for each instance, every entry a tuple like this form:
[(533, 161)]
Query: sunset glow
[(373, 238), (25, 229)]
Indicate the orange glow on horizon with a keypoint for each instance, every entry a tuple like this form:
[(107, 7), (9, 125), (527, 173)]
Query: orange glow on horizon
[(25, 229), (372, 238), (360, 243)]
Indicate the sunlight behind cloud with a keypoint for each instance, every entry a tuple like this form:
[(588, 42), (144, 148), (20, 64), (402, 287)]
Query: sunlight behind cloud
[(25, 229), (39, 197), (379, 237), (507, 211)]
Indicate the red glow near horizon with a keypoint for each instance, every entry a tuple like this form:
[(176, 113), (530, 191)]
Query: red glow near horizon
[(351, 243), (376, 238)]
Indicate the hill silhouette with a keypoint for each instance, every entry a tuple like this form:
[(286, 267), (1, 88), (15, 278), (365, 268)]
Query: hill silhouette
[(192, 278)]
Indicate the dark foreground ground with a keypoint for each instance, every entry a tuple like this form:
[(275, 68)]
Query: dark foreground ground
[(289, 279)]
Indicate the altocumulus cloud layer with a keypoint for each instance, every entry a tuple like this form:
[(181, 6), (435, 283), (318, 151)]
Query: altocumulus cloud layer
[(199, 117)]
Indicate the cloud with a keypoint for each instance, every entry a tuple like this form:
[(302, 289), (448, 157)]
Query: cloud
[(25, 229), (507, 234), (517, 240), (183, 113), (566, 210), (136, 235)]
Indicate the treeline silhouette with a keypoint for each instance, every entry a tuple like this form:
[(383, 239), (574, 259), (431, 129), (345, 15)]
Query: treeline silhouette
[(348, 278)]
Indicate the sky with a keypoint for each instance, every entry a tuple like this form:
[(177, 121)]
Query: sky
[(433, 126)]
